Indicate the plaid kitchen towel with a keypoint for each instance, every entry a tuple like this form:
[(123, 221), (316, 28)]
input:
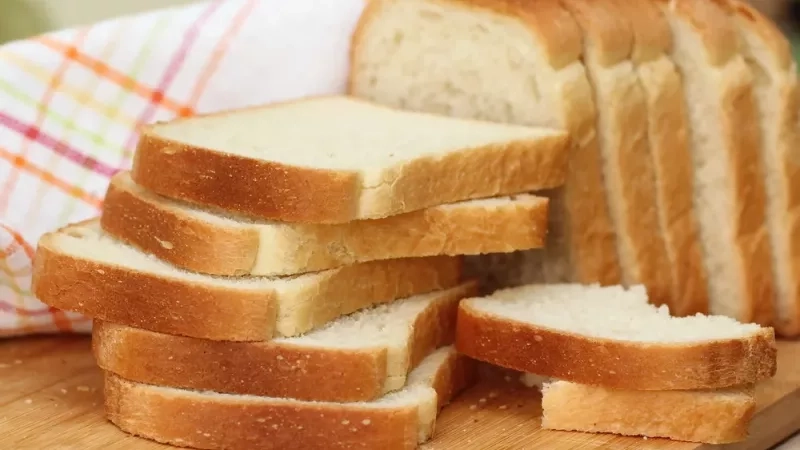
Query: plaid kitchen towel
[(71, 103)]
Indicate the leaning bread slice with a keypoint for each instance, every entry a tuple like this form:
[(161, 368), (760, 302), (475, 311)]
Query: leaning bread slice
[(667, 128), (209, 420), (707, 416), (623, 141), (80, 269), (338, 159), (356, 357), (725, 140), (205, 242), (611, 336), (525, 68), (769, 54)]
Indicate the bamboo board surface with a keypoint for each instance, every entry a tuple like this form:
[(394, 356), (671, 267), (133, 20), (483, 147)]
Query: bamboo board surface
[(51, 398)]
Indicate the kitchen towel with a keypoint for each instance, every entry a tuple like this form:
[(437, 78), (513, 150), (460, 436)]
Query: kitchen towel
[(71, 103)]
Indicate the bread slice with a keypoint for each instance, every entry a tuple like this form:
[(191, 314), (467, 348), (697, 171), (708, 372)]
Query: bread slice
[(210, 420), (514, 62), (338, 159), (769, 54), (667, 129), (611, 336), (708, 416), (623, 141), (202, 241), (725, 142), (80, 269), (354, 358)]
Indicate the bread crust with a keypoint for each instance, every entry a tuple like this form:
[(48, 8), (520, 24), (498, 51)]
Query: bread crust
[(717, 417), (741, 135), (669, 147), (622, 127), (783, 79), (208, 421), (581, 359), (273, 368), (107, 291), (275, 191), (156, 226), (579, 209)]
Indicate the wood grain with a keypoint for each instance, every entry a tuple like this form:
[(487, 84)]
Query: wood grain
[(51, 398)]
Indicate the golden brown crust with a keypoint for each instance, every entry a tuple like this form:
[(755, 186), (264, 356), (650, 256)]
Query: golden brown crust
[(606, 35), (212, 421), (156, 226), (765, 28), (136, 218), (622, 125), (273, 368), (781, 78), (716, 417), (710, 21), (615, 364), (668, 129), (106, 292), (652, 37), (743, 141), (275, 191)]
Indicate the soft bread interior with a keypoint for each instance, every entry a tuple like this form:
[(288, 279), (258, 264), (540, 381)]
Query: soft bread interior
[(338, 133), (606, 312)]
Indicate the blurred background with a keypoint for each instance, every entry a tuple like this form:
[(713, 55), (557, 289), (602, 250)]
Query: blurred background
[(23, 18)]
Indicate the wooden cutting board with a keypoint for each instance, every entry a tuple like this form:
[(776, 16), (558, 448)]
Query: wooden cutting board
[(51, 398)]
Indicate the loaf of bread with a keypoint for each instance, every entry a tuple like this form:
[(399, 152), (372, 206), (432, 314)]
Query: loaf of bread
[(521, 63)]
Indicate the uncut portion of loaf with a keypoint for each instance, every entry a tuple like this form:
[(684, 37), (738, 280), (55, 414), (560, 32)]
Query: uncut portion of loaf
[(708, 416), (210, 420), (769, 54), (611, 336), (667, 128), (338, 159), (622, 136), (725, 141), (504, 61), (354, 358), (200, 240), (81, 269)]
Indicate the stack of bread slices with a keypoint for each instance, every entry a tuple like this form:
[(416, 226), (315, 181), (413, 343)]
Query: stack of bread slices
[(609, 361), (685, 175), (288, 276)]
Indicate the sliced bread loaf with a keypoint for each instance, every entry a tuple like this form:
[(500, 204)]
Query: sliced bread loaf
[(200, 240), (354, 358), (725, 141), (209, 420), (611, 336), (80, 269), (337, 159), (621, 124), (667, 128), (503, 61), (708, 416), (769, 54)]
